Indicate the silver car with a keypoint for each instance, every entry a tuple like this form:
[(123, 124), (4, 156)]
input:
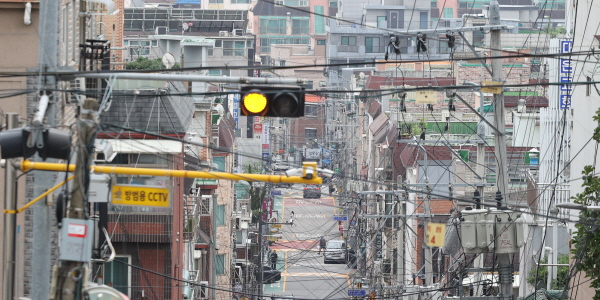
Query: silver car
[(335, 252)]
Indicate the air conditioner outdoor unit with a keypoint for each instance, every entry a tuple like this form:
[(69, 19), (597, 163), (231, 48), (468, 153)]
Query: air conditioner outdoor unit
[(244, 210), (223, 33), (238, 32), (76, 85), (215, 141), (203, 290), (161, 30)]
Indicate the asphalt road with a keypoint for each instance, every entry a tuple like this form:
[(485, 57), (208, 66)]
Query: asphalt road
[(304, 275)]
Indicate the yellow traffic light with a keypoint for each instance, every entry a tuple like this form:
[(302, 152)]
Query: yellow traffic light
[(282, 102), (254, 102)]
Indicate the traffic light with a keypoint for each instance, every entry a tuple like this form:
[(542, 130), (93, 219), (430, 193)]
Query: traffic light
[(283, 102), (56, 143)]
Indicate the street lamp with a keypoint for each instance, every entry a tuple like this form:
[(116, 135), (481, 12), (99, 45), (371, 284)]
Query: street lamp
[(577, 206)]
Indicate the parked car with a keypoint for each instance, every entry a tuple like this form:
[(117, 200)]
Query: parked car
[(284, 185), (311, 191), (270, 275), (335, 252)]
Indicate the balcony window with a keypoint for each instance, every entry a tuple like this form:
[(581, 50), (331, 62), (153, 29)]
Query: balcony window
[(372, 45), (349, 40), (272, 25), (310, 110), (320, 42), (234, 48), (301, 26)]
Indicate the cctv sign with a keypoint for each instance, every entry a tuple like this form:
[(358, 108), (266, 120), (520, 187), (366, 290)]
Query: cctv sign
[(565, 75)]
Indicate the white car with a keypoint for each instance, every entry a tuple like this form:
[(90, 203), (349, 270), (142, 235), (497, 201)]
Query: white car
[(335, 252)]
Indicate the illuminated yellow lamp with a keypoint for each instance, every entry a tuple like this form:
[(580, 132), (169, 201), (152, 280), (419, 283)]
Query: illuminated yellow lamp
[(255, 102)]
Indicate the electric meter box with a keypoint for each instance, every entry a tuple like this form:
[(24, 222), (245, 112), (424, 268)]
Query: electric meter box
[(76, 240), (99, 188)]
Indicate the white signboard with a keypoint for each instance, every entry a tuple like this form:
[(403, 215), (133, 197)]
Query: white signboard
[(312, 153), (265, 135)]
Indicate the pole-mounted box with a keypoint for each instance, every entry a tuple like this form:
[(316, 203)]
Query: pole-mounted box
[(76, 240)]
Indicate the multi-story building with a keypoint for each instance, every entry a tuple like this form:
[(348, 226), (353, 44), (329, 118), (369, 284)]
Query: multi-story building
[(302, 23), (18, 53)]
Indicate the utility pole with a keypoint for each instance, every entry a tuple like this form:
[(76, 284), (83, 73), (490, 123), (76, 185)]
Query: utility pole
[(10, 220), (69, 271), (504, 263), (42, 228)]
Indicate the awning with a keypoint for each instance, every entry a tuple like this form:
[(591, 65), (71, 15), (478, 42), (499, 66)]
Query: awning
[(326, 161), (378, 124), (144, 146)]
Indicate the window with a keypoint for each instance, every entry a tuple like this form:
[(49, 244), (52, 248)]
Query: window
[(310, 134), (272, 24), (478, 36), (137, 47), (234, 48), (588, 87), (382, 22), (301, 26), (448, 12), (321, 42), (294, 3), (267, 40), (319, 19), (119, 274), (249, 44), (423, 20), (310, 110), (219, 44), (282, 63), (372, 45), (220, 264), (211, 51), (154, 43), (349, 40), (215, 1), (240, 1), (220, 215), (218, 72), (333, 3), (433, 4)]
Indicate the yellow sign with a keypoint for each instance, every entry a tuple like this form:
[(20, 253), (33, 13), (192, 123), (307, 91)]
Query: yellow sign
[(272, 238), (436, 233), (493, 90), (426, 97), (140, 195), (277, 225)]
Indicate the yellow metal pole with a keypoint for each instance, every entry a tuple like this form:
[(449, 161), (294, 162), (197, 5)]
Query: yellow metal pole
[(27, 165), (40, 197)]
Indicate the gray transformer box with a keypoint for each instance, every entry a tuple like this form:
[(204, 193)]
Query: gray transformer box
[(76, 240)]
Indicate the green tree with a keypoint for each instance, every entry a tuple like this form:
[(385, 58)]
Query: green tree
[(143, 63), (542, 273), (257, 192), (586, 241)]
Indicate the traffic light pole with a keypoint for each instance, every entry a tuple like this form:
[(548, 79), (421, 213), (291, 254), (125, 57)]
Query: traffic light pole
[(70, 287), (10, 220)]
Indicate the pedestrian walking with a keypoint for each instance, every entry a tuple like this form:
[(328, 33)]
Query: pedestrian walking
[(341, 227), (331, 188), (274, 260), (322, 245)]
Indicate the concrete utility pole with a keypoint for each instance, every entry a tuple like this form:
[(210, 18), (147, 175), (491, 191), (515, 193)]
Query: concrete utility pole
[(47, 62), (70, 270), (10, 220), (504, 263)]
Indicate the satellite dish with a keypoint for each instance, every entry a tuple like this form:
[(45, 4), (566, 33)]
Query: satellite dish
[(168, 60), (185, 26), (361, 75)]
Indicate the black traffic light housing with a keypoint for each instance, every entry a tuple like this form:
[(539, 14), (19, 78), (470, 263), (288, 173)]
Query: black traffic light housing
[(56, 143), (283, 102)]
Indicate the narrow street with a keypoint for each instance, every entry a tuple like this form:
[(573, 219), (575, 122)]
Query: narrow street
[(304, 273)]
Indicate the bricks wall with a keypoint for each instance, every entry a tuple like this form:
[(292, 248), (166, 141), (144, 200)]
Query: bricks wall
[(113, 30)]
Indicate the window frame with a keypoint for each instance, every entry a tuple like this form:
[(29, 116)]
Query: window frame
[(349, 40)]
